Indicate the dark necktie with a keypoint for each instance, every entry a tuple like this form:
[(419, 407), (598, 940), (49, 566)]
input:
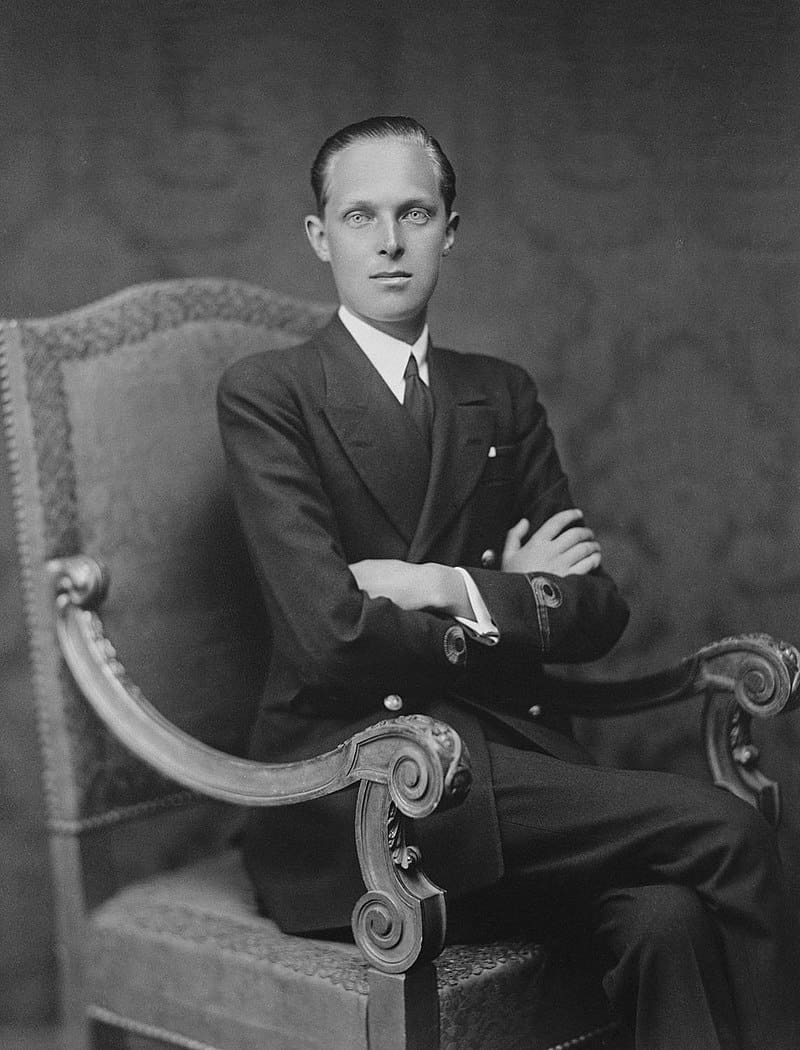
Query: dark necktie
[(417, 400)]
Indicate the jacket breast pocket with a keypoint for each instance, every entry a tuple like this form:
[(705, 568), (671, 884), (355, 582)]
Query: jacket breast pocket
[(493, 503), (500, 466)]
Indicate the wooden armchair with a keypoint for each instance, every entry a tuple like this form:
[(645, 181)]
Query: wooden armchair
[(109, 415)]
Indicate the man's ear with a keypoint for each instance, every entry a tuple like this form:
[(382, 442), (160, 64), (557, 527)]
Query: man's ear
[(317, 237), (450, 231)]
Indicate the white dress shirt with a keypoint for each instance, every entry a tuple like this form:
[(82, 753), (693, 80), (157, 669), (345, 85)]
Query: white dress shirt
[(389, 356)]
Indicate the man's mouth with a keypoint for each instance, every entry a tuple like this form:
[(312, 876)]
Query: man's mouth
[(390, 275)]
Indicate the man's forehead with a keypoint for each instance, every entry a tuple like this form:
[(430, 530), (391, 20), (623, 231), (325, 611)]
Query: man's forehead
[(382, 167)]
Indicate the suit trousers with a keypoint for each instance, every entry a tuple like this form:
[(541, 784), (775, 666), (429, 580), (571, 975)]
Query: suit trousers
[(677, 885)]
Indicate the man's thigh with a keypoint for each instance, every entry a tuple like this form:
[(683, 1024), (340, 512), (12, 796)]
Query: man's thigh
[(568, 827)]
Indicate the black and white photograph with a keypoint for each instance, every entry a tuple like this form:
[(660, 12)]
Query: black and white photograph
[(400, 525)]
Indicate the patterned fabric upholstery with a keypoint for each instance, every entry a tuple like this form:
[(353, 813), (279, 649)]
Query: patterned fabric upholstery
[(112, 408), (162, 950)]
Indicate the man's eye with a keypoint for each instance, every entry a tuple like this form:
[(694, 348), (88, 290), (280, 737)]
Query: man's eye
[(356, 218), (417, 215)]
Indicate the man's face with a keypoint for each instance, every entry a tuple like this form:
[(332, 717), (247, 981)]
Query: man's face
[(384, 231)]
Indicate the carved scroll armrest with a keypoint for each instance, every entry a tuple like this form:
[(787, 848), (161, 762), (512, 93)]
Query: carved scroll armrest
[(750, 676), (743, 677), (407, 767), (607, 699), (762, 673)]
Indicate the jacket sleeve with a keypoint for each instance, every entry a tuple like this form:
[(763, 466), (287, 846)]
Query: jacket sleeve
[(341, 641), (561, 619)]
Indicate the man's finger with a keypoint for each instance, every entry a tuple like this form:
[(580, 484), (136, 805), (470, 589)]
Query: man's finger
[(553, 526), (515, 536), (580, 551), (585, 565), (571, 538)]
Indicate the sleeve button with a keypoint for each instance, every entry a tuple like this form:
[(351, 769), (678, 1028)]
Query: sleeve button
[(455, 646), (393, 702), (535, 711), (488, 558)]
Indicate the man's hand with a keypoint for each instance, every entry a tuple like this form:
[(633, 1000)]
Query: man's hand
[(414, 587), (560, 546)]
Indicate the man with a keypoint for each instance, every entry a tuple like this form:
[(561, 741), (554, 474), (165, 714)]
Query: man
[(419, 551)]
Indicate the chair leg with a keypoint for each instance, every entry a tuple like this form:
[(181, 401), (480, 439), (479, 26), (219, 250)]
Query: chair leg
[(82, 1033), (75, 1033), (403, 1010)]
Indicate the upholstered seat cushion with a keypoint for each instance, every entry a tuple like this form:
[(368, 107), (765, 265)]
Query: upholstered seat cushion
[(186, 952)]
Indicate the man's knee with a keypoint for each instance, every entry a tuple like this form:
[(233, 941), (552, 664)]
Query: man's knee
[(653, 934), (664, 917), (750, 844)]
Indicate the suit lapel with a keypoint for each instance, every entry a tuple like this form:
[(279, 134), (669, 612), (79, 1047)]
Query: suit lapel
[(463, 429), (374, 430)]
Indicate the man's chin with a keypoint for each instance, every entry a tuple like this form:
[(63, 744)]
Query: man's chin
[(405, 325), (389, 313)]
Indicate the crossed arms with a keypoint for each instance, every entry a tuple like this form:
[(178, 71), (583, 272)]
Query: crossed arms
[(373, 625), (560, 547)]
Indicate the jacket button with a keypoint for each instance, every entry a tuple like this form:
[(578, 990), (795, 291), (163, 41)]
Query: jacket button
[(488, 558), (393, 702), (534, 711)]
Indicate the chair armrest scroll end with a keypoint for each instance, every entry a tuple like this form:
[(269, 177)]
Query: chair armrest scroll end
[(409, 767), (762, 674), (746, 677), (79, 580), (427, 767)]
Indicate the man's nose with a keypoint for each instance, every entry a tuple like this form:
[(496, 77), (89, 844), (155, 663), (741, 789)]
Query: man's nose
[(391, 242)]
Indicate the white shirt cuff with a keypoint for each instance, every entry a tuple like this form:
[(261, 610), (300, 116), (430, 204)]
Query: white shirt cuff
[(482, 628)]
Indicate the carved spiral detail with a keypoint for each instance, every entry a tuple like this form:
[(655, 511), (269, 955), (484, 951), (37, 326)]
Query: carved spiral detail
[(759, 688), (763, 674), (377, 926), (413, 776), (79, 580), (415, 782)]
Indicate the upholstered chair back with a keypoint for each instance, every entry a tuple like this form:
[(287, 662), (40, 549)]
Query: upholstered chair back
[(111, 428)]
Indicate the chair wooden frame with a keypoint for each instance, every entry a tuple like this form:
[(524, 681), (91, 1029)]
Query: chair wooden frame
[(406, 768)]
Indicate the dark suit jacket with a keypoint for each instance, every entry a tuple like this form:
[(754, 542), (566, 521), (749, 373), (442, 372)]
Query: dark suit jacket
[(327, 469)]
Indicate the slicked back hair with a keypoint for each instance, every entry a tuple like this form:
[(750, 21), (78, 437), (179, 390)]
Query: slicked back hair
[(376, 128)]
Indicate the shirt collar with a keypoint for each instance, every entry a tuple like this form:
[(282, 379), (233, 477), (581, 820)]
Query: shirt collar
[(388, 355)]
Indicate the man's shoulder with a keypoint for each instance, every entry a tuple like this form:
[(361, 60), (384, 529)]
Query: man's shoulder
[(275, 367), (486, 368)]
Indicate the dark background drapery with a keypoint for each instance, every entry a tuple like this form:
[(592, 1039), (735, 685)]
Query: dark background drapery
[(629, 182)]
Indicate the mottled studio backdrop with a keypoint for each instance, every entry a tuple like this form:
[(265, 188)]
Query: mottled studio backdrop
[(630, 191)]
